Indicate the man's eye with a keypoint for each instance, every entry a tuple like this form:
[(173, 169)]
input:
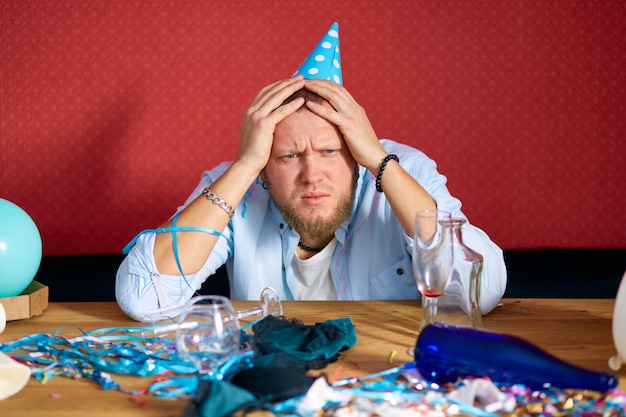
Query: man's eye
[(329, 151), (290, 156)]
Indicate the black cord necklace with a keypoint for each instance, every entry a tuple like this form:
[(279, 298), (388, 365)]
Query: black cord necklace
[(310, 249)]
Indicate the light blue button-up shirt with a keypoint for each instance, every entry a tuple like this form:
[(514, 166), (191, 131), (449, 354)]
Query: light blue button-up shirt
[(372, 259)]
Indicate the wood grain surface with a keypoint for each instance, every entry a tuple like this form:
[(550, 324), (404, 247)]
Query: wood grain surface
[(576, 330)]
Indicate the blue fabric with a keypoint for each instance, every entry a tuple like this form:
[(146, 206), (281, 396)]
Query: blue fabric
[(218, 398), (290, 343)]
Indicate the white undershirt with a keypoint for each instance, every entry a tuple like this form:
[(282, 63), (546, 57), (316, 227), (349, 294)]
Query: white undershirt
[(313, 280)]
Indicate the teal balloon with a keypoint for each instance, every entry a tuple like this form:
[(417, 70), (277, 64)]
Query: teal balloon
[(20, 249)]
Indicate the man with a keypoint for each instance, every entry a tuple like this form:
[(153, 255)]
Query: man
[(314, 205)]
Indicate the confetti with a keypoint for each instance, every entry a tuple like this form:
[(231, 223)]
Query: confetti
[(401, 392)]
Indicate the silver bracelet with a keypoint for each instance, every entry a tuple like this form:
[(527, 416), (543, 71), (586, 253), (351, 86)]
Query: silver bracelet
[(219, 201)]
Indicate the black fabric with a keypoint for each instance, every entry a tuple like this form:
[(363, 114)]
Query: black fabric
[(219, 398), (246, 391), (272, 383)]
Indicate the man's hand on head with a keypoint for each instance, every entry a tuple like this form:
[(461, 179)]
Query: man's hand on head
[(261, 118), (351, 120)]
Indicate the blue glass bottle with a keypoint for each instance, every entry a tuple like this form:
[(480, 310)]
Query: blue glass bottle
[(445, 353)]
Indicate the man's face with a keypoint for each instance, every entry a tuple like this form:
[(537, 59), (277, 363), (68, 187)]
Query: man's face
[(311, 175)]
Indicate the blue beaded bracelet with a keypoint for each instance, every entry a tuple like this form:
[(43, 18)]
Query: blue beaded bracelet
[(382, 168)]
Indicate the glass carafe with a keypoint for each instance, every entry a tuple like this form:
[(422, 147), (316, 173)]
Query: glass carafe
[(460, 302)]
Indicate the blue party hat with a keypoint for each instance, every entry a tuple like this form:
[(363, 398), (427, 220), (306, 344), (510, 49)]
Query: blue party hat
[(324, 61)]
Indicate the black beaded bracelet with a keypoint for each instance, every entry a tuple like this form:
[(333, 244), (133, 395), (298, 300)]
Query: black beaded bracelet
[(382, 168)]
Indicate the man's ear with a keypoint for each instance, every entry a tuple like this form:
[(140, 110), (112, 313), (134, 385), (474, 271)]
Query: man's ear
[(263, 179)]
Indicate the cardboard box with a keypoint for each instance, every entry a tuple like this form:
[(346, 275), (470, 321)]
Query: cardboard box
[(31, 302)]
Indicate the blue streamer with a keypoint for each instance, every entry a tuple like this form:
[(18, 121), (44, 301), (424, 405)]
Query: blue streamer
[(115, 350), (95, 357), (172, 229), (175, 248)]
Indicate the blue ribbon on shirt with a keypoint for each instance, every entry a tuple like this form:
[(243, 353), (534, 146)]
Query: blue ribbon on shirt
[(173, 231)]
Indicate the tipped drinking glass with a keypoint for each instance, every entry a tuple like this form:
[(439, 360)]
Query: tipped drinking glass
[(270, 305), (432, 259), (208, 333), (159, 327)]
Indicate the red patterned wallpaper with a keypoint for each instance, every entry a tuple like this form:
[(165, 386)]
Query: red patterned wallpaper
[(109, 111)]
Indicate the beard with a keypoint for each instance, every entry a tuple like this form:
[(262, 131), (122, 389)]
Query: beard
[(315, 228)]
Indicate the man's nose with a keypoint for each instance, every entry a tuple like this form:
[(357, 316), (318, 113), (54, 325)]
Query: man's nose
[(310, 169)]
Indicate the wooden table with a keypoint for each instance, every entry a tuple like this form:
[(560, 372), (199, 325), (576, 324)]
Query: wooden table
[(576, 330)]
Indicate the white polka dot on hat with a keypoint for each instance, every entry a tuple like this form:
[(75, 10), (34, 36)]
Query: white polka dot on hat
[(324, 62)]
